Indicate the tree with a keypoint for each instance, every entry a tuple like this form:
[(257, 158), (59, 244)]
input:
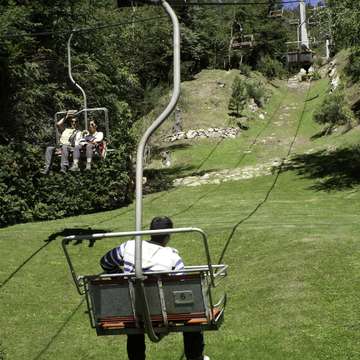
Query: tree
[(238, 95)]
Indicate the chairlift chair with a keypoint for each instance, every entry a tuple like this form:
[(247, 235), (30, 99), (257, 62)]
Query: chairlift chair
[(154, 303), (243, 42), (177, 301), (298, 55), (100, 151), (276, 13)]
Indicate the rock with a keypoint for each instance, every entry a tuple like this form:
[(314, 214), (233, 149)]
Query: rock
[(311, 70), (204, 133), (253, 107)]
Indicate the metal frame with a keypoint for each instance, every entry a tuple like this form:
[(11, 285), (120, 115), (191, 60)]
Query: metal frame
[(242, 42), (213, 320), (72, 79), (276, 13), (211, 277), (100, 236), (141, 306), (85, 111)]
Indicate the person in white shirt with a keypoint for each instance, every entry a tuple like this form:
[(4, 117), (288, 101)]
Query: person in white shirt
[(156, 256), (90, 140), (70, 137)]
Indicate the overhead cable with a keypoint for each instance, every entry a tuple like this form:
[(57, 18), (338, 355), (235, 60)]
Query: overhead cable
[(79, 30)]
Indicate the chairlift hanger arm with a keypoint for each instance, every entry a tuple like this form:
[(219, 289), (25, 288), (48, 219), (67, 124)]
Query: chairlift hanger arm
[(141, 233)]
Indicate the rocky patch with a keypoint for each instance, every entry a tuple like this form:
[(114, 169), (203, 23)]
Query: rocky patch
[(229, 132), (217, 177)]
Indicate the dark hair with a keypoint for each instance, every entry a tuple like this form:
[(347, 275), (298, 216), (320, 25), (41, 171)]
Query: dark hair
[(158, 223), (70, 118)]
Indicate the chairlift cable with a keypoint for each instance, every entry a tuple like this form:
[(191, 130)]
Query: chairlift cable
[(105, 26), (273, 184), (80, 30)]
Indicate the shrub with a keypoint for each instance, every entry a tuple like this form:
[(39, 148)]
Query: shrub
[(245, 70), (270, 67), (238, 96), (256, 90), (334, 110), (315, 76), (352, 68), (27, 196)]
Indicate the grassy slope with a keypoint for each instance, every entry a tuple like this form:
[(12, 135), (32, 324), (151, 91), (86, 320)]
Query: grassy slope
[(293, 289)]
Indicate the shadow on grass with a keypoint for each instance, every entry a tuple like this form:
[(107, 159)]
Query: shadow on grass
[(61, 328), (173, 147), (76, 231), (334, 170), (52, 237)]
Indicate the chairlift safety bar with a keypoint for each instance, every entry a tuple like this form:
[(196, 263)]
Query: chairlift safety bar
[(100, 236)]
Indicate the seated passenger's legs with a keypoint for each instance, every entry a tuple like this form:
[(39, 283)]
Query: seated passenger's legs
[(49, 154), (64, 157), (193, 345), (76, 157), (136, 347), (89, 155)]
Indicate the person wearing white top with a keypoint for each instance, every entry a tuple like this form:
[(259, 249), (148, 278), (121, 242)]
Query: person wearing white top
[(90, 140), (156, 256), (70, 137)]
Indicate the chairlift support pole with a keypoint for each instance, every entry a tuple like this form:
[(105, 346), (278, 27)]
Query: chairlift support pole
[(162, 117), (303, 30), (73, 81)]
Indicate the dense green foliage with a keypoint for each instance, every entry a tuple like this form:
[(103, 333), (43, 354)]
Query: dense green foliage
[(118, 56), (26, 195), (352, 68), (270, 67), (238, 95), (334, 110), (345, 21), (244, 89)]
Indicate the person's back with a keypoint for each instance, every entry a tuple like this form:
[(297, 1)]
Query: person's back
[(156, 256)]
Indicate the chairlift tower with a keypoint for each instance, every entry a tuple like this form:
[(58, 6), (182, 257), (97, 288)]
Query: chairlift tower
[(302, 55), (304, 39)]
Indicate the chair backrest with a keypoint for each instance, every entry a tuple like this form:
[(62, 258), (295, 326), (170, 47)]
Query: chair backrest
[(114, 297)]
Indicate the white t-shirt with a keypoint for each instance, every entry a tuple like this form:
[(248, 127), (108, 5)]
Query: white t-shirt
[(154, 257)]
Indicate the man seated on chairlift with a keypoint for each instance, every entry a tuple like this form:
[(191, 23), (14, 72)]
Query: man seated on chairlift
[(91, 139), (70, 137), (156, 256)]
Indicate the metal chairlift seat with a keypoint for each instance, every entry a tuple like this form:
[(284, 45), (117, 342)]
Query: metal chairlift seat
[(244, 41), (101, 149), (300, 57), (276, 13), (178, 301)]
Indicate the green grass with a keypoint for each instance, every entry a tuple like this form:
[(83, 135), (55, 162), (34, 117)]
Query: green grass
[(293, 266)]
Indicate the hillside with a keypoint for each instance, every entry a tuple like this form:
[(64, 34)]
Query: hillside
[(288, 231)]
